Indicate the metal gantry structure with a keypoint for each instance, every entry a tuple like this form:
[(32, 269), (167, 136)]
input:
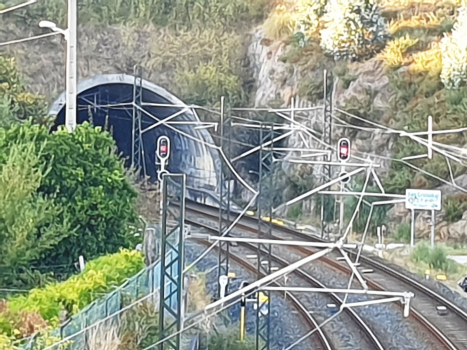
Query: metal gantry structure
[(137, 146), (327, 210), (264, 200), (172, 261), (224, 206), (172, 238)]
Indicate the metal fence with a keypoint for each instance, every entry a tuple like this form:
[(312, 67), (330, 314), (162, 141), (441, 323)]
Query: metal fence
[(107, 309)]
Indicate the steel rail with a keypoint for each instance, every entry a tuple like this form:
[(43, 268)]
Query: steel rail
[(311, 280), (322, 337), (250, 224)]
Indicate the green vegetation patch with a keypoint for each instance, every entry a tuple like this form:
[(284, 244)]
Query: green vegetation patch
[(100, 276), (436, 258)]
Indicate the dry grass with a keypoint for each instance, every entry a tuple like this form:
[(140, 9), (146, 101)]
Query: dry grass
[(197, 293), (425, 20), (394, 5), (427, 61), (282, 21), (393, 53)]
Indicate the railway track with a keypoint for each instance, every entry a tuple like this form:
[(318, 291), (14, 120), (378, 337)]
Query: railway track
[(450, 330), (319, 337), (300, 303)]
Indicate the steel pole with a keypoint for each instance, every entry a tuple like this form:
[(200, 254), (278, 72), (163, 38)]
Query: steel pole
[(433, 227), (71, 67), (412, 230)]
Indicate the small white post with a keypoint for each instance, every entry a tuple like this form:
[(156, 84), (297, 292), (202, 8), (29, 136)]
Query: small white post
[(82, 264), (433, 226), (412, 230), (430, 137)]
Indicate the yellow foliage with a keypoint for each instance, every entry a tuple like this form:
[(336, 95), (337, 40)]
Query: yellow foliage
[(392, 5), (393, 53), (282, 21), (425, 20), (427, 61)]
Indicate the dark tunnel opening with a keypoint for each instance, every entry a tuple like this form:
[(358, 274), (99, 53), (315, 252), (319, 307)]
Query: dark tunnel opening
[(108, 101)]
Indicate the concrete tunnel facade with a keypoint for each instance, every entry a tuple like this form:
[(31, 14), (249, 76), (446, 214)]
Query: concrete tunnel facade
[(109, 99)]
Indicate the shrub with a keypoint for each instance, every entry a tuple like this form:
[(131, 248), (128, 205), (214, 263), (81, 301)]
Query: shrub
[(100, 276), (16, 104), (309, 13), (429, 61), (436, 258), (421, 252), (87, 180), (403, 233), (352, 29), (454, 207), (393, 53), (425, 20), (454, 53), (280, 23)]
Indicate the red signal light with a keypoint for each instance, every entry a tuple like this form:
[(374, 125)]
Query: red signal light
[(344, 150), (163, 148)]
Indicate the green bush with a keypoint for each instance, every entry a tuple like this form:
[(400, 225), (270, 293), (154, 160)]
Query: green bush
[(454, 207), (295, 211), (100, 276), (436, 258), (378, 217), (84, 193), (403, 233)]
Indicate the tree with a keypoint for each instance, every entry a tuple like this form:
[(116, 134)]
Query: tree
[(454, 53), (352, 28), (62, 195)]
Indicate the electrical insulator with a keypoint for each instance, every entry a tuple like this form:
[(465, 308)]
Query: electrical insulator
[(344, 150), (163, 148)]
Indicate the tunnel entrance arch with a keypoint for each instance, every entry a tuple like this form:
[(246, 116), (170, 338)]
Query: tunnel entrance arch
[(109, 100)]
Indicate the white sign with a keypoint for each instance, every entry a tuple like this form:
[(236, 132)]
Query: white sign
[(423, 199)]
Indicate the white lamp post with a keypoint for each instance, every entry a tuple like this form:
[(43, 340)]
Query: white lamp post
[(70, 35)]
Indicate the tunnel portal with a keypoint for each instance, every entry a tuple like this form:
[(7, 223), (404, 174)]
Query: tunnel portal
[(109, 100)]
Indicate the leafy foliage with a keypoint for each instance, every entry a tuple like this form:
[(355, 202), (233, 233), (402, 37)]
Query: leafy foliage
[(99, 276), (352, 29), (454, 51), (15, 103), (62, 195)]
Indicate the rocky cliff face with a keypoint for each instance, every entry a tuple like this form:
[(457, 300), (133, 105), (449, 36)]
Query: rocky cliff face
[(277, 82)]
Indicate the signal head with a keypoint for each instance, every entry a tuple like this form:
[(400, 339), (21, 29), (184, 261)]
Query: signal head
[(163, 148), (343, 151)]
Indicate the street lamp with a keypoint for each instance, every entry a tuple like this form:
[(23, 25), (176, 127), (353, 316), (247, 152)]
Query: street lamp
[(70, 35)]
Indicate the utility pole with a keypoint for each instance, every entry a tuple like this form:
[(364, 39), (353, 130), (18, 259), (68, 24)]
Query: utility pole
[(71, 67), (265, 197), (327, 139), (224, 208)]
